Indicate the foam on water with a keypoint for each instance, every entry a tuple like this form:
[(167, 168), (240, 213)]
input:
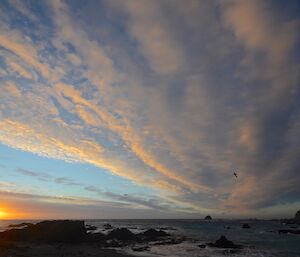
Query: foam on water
[(190, 249)]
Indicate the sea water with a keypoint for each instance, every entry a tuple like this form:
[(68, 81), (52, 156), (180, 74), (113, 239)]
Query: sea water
[(261, 240)]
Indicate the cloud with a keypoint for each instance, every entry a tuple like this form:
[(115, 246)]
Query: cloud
[(23, 9), (13, 40), (48, 178), (171, 95), (149, 27), (156, 204), (39, 175), (19, 69)]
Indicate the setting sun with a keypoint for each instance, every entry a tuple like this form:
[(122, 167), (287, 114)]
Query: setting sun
[(3, 214)]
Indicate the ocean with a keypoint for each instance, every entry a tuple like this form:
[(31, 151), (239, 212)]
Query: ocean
[(261, 240)]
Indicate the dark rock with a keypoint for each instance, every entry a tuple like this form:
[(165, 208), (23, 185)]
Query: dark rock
[(114, 243), (208, 217), (297, 216), (140, 248), (288, 222), (123, 234), (57, 231), (95, 238), (246, 225), (152, 234), (91, 228), (202, 246), (107, 226), (227, 227), (289, 231), (223, 242), (6, 244), (20, 225)]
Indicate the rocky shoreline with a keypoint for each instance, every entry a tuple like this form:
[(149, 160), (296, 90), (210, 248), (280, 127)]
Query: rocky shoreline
[(75, 238)]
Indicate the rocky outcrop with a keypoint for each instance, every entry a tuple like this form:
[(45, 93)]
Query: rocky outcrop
[(90, 227), (208, 217), (58, 231), (246, 226), (122, 234), (223, 242), (289, 231), (152, 235), (297, 216), (66, 231), (107, 226)]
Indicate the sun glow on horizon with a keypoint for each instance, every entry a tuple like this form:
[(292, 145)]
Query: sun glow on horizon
[(3, 214)]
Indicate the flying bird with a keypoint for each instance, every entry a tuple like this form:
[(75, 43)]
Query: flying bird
[(235, 174)]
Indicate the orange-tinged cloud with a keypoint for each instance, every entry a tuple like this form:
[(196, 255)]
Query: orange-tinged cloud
[(12, 89), (19, 69), (14, 42), (126, 131)]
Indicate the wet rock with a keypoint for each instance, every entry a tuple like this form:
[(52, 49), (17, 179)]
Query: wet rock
[(289, 231), (107, 226), (152, 234), (95, 238), (246, 225), (114, 243), (223, 242), (208, 217), (123, 234), (202, 246), (91, 228)]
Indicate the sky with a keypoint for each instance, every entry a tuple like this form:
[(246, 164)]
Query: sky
[(144, 109)]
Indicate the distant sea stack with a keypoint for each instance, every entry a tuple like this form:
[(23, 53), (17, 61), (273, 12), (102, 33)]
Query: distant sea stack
[(297, 216), (246, 225), (208, 217)]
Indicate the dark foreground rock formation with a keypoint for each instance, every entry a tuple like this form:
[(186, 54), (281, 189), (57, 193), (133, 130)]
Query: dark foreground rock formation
[(122, 234), (223, 242), (69, 231), (59, 231)]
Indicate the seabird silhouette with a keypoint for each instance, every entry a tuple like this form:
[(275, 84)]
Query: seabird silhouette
[(235, 174)]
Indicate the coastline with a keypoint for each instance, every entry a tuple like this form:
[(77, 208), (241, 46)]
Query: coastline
[(128, 238)]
